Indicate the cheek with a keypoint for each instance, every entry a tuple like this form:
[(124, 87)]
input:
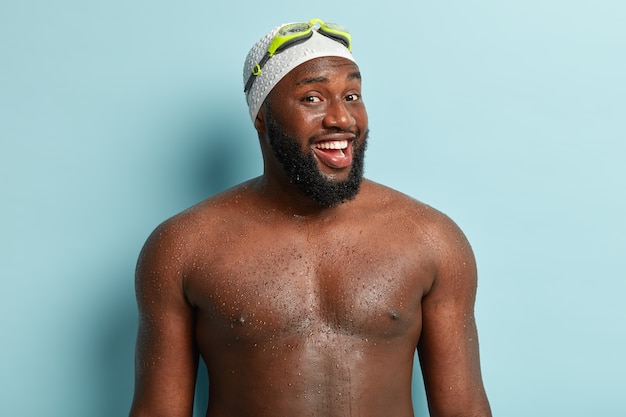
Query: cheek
[(299, 122), (360, 116), (364, 117)]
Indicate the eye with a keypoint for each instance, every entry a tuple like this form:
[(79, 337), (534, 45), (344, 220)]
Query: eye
[(353, 97), (311, 99)]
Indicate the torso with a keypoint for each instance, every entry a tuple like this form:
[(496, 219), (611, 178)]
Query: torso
[(299, 316)]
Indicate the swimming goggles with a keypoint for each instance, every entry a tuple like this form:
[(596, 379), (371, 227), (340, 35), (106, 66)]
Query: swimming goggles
[(294, 33)]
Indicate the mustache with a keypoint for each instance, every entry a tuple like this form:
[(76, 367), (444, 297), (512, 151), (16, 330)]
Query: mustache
[(356, 133)]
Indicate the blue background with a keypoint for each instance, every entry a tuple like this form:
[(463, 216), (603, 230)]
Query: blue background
[(508, 116)]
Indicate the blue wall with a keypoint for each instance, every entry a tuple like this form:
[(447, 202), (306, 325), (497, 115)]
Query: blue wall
[(508, 116)]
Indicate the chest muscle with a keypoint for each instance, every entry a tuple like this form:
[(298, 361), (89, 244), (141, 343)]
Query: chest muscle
[(258, 293)]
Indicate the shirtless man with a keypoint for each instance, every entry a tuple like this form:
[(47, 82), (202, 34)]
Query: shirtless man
[(308, 289)]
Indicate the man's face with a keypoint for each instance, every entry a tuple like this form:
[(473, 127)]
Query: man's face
[(302, 168), (317, 127)]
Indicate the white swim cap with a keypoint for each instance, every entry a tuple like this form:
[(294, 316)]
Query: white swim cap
[(281, 63)]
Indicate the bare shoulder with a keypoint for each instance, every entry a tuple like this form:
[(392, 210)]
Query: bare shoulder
[(175, 242), (409, 212), (421, 228)]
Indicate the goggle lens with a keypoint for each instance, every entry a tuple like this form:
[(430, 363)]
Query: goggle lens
[(289, 35)]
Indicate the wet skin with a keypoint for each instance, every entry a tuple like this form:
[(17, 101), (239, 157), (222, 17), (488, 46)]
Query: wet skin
[(300, 310)]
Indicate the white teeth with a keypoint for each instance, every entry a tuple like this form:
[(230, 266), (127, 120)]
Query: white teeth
[(332, 144)]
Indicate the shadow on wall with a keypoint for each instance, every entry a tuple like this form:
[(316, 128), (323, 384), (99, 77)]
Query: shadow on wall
[(113, 356), (222, 151)]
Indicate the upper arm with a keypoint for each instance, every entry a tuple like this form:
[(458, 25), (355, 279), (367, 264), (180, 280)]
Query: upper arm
[(448, 346), (166, 358)]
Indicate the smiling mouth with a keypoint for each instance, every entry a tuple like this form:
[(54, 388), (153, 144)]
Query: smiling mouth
[(333, 146), (336, 154)]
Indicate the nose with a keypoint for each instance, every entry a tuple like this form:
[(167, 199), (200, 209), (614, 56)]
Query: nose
[(338, 116)]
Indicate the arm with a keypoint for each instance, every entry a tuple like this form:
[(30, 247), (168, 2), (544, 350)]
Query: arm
[(166, 358), (448, 346)]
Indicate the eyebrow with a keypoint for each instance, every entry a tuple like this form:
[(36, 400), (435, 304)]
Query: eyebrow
[(305, 81)]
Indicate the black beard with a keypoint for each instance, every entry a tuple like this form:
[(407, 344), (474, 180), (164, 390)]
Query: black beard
[(302, 170)]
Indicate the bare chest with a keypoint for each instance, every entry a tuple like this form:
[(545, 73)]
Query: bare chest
[(261, 290)]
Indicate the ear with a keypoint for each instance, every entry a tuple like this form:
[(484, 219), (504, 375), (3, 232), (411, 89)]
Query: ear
[(259, 122)]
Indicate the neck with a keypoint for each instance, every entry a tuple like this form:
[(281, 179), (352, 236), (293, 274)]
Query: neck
[(285, 197)]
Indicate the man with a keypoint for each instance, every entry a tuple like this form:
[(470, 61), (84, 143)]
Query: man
[(307, 290)]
